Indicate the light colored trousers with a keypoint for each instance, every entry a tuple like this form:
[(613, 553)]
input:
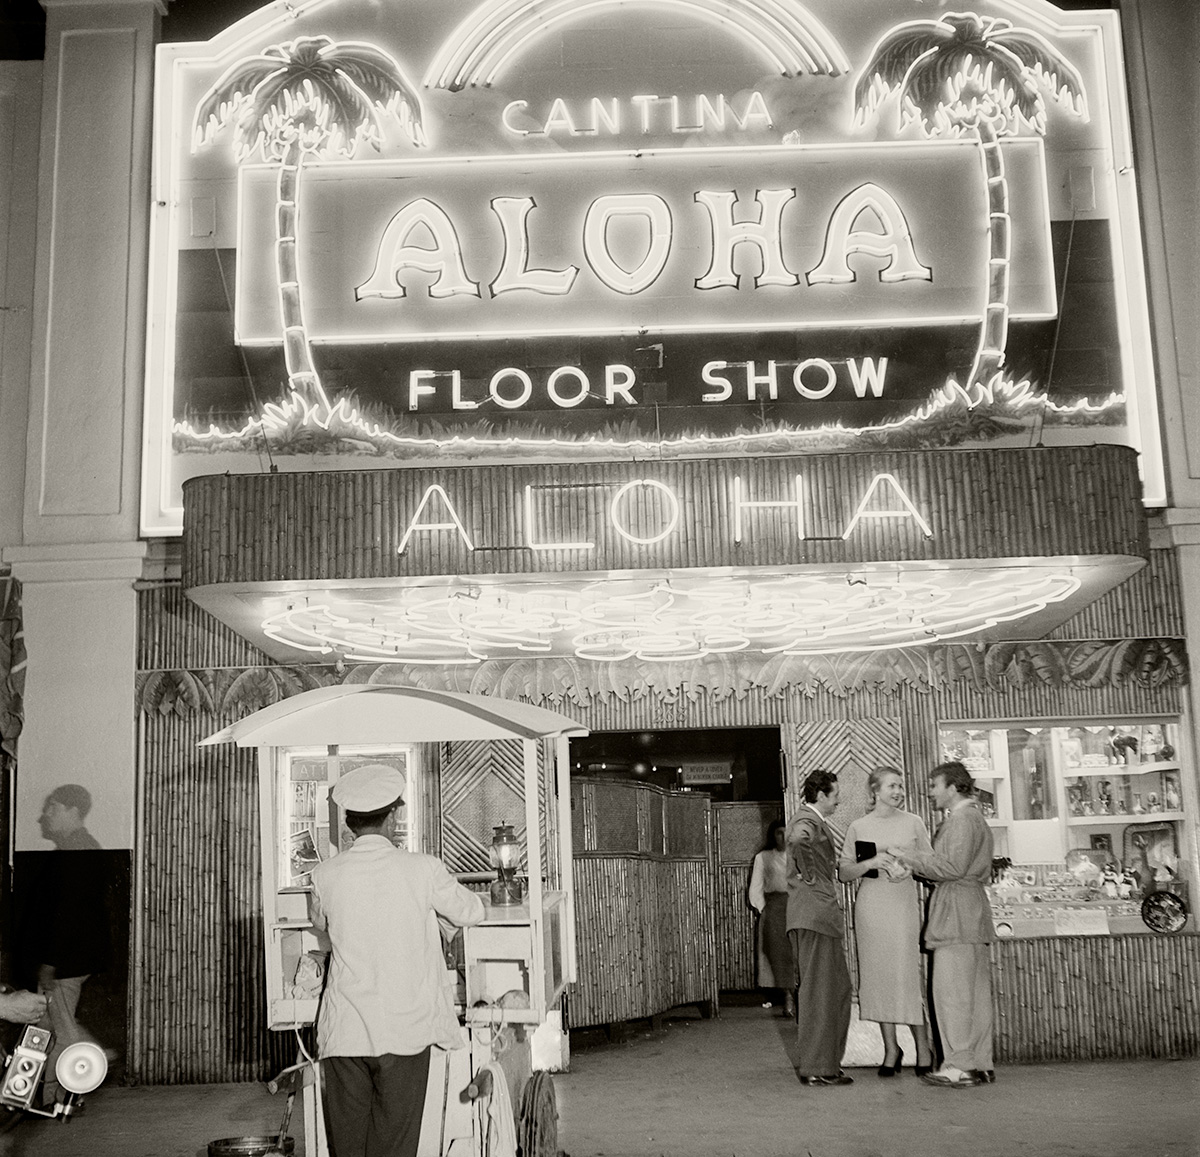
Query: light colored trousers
[(60, 1019), (962, 1000)]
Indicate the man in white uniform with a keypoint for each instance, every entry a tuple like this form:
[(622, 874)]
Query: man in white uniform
[(386, 1001)]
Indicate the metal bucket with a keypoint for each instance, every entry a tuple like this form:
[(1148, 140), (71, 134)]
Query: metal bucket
[(250, 1146)]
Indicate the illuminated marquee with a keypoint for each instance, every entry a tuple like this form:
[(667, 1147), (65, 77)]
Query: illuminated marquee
[(635, 226), (646, 511), (829, 237)]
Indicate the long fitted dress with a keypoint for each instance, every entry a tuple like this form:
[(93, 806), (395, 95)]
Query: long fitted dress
[(887, 925)]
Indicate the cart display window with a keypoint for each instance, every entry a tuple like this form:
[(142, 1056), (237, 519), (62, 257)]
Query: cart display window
[(307, 818), (1089, 820)]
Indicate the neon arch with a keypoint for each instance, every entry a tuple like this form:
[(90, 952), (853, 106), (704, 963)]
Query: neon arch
[(783, 32)]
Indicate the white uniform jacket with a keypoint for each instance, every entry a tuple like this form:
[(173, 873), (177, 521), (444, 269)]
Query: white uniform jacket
[(376, 907)]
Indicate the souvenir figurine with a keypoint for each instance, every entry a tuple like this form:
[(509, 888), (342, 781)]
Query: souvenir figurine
[(1137, 810), (1172, 794), (1127, 884), (1125, 749), (1152, 803), (1110, 881), (1075, 799), (1088, 809), (1163, 875), (1104, 802)]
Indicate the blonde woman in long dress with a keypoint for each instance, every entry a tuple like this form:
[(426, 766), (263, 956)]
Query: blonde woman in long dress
[(887, 921)]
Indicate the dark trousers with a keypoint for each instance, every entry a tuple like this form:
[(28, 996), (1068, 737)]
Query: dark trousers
[(373, 1105), (822, 1002)]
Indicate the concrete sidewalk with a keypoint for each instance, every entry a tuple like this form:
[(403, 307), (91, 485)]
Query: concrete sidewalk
[(714, 1088)]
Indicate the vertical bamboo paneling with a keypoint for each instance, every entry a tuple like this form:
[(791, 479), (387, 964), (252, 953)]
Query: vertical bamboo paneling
[(1091, 997), (202, 994), (645, 926)]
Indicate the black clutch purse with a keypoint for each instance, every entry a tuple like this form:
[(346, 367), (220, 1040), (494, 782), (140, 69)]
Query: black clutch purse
[(865, 850)]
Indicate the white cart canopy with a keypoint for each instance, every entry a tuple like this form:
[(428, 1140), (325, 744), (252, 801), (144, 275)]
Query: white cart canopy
[(364, 713)]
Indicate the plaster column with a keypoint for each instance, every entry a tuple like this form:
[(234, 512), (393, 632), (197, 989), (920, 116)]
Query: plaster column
[(79, 553)]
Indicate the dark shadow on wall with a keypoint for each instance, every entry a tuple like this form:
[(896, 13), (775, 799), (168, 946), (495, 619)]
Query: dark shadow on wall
[(104, 1003)]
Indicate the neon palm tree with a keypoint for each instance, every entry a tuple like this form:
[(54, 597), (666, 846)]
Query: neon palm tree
[(296, 101), (978, 75)]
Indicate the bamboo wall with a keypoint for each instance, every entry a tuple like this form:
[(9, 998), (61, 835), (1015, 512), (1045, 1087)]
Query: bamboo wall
[(196, 1011), (644, 902), (1082, 998)]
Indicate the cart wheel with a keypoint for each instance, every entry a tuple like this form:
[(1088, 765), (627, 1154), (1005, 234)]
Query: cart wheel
[(537, 1133)]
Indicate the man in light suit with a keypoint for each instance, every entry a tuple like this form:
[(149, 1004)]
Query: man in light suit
[(815, 928), (959, 928)]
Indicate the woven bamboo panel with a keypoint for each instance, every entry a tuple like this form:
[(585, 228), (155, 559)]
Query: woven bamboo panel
[(741, 829), (174, 632), (1093, 997), (616, 818), (482, 786), (687, 824), (735, 921), (645, 938), (1077, 500)]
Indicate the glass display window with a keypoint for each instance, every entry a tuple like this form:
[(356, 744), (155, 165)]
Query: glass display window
[(307, 819), (1089, 819)]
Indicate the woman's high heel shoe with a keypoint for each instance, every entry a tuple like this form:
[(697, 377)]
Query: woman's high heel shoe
[(921, 1070), (891, 1070)]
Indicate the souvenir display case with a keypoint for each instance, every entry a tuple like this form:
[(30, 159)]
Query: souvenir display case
[(1091, 820), (507, 973)]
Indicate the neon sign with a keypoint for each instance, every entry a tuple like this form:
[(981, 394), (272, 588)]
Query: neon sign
[(824, 246), (660, 619), (647, 511), (814, 245)]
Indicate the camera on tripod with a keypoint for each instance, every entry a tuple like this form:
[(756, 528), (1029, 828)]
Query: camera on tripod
[(80, 1069)]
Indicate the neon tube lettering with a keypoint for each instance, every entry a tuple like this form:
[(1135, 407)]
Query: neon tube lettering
[(563, 372), (455, 522), (753, 380), (617, 381), (643, 103), (807, 391), (908, 510), (457, 401), (740, 504), (416, 390), (595, 239), (864, 376), (893, 242), (444, 258), (765, 234), (511, 403), (507, 123), (559, 118), (513, 214), (755, 113), (710, 377), (624, 532)]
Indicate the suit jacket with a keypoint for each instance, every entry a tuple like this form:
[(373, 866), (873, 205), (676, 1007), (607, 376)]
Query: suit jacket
[(813, 894), (961, 867)]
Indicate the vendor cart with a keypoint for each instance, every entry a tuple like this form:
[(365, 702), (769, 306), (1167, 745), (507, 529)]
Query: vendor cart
[(509, 973)]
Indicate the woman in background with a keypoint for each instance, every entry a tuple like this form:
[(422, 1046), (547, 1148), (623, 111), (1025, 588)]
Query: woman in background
[(768, 897), (887, 920)]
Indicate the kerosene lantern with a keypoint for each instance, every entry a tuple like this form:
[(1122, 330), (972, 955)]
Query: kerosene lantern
[(505, 857)]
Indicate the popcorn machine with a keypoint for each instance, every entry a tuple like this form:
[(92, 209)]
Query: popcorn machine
[(508, 973)]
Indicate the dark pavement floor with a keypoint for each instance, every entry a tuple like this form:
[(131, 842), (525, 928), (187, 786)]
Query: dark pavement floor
[(715, 1088)]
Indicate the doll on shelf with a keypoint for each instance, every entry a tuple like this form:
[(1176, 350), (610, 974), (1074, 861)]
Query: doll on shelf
[(1152, 802), (1110, 882), (1127, 885), (1171, 791), (1105, 798), (1075, 799)]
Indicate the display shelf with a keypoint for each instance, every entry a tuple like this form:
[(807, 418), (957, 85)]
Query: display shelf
[(1110, 769), (1123, 818)]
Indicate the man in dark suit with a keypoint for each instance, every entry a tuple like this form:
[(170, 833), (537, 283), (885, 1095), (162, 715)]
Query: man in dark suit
[(815, 928)]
